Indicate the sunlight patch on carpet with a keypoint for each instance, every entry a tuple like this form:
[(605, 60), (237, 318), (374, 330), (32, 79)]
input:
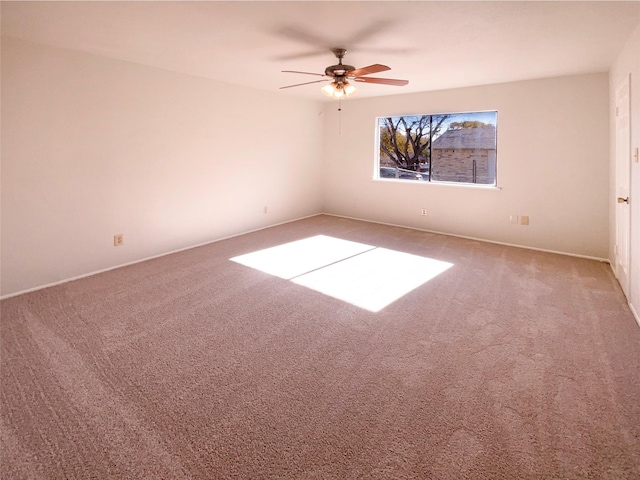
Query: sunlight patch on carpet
[(290, 260), (366, 276)]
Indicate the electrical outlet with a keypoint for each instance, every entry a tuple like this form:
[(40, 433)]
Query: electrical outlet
[(524, 220), (423, 212), (118, 240)]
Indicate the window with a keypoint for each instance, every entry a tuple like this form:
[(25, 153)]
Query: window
[(454, 147)]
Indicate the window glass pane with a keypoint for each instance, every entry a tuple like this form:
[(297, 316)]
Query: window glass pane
[(466, 150), (404, 147)]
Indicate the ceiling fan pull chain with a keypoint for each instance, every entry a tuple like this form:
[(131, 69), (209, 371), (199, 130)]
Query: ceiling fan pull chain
[(340, 116)]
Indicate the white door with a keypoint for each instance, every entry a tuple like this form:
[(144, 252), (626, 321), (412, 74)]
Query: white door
[(623, 168)]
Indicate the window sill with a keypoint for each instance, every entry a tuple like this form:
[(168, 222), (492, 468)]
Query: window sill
[(439, 184)]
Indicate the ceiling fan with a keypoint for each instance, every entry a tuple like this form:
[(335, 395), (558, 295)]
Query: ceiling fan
[(340, 74)]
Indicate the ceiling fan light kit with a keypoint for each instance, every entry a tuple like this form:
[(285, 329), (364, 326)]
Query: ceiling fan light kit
[(338, 90), (340, 75)]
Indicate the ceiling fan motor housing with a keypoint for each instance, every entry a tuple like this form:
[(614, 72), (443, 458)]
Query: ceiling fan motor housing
[(339, 70)]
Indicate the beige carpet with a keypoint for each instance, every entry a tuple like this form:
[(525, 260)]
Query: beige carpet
[(509, 364)]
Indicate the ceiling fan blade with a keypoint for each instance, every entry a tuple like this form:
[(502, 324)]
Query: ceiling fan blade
[(298, 56), (375, 68), (305, 83), (304, 73), (384, 81), (304, 36)]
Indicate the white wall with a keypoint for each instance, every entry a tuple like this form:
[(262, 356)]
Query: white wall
[(553, 165), (93, 147), (628, 62)]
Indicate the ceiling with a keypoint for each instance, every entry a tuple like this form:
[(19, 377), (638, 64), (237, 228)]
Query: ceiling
[(434, 45)]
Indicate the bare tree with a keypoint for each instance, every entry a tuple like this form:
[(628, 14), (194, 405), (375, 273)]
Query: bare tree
[(406, 140)]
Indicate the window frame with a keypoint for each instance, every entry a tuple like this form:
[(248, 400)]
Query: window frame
[(429, 180)]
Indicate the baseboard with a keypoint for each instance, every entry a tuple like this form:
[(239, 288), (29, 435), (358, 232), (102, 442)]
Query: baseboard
[(635, 314), (97, 272), (631, 307), (85, 275), (598, 259)]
